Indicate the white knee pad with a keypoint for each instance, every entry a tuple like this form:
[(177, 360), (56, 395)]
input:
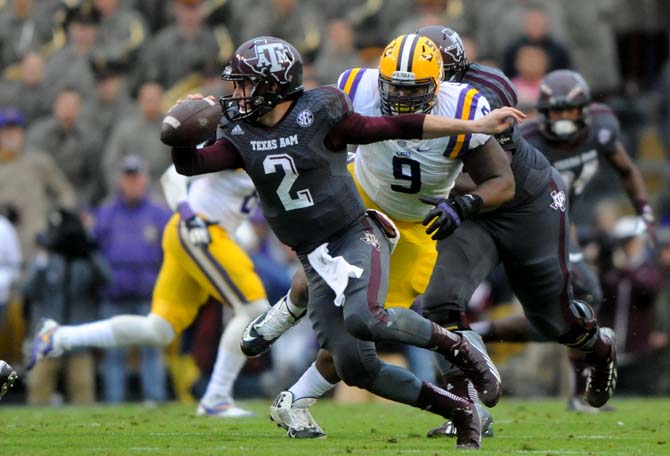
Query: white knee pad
[(162, 330), (141, 330)]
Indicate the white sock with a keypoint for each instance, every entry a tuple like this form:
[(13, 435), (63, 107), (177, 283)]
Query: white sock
[(229, 360), (96, 334), (311, 385), (119, 331), (295, 310)]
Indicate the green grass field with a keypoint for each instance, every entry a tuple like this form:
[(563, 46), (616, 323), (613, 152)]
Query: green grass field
[(638, 427)]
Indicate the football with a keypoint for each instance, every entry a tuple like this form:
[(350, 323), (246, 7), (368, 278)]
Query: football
[(190, 122)]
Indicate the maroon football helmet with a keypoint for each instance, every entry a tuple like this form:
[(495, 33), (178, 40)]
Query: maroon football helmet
[(560, 90), (269, 70), (454, 59)]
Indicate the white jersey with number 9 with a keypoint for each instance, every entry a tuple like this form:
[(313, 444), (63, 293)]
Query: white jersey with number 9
[(395, 173)]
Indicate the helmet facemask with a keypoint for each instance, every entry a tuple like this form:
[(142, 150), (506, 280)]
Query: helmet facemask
[(258, 96), (406, 96), (563, 90), (564, 129), (410, 72)]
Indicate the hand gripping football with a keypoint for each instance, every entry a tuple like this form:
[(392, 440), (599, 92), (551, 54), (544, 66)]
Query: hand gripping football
[(190, 122)]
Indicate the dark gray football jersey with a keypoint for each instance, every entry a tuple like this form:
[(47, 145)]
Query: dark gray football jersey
[(492, 83), (532, 171), (305, 190), (578, 160)]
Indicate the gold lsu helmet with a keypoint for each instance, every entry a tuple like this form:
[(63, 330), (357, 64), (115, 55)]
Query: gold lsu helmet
[(410, 71)]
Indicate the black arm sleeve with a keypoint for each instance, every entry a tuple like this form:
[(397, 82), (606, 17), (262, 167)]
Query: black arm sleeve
[(221, 155)]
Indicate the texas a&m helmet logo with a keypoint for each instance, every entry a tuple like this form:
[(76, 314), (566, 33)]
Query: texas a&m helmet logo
[(271, 57), (456, 49)]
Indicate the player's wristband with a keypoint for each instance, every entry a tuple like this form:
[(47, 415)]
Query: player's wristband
[(185, 210), (468, 205)]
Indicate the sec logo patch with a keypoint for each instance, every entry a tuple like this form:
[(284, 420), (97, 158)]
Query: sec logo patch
[(305, 118)]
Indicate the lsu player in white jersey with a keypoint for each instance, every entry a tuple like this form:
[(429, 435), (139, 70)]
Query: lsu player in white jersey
[(200, 259), (396, 177)]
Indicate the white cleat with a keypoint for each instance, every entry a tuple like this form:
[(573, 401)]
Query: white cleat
[(43, 343), (265, 329), (294, 416), (222, 408)]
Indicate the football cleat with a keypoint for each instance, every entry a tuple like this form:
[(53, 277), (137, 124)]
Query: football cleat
[(43, 343), (7, 377), (448, 429), (294, 417), (265, 329), (601, 383), (222, 408), (468, 428), (479, 369)]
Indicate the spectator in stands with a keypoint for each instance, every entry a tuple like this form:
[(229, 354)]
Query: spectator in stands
[(22, 31), (189, 42), (420, 13), (630, 290), (29, 180), (338, 53), (288, 20), (29, 93), (139, 134), (128, 232), (536, 33), (122, 31), (75, 148), (495, 24), (69, 66), (530, 65), (592, 40), (63, 283), (110, 101), (10, 260)]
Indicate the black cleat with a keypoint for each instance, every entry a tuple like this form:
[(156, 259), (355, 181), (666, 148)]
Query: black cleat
[(7, 377), (479, 369), (468, 428), (448, 429), (601, 383)]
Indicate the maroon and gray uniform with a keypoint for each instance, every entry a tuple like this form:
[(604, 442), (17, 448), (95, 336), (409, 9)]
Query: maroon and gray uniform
[(577, 161), (528, 235), (299, 169)]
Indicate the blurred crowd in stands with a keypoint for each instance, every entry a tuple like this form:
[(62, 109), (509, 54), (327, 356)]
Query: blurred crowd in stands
[(85, 83)]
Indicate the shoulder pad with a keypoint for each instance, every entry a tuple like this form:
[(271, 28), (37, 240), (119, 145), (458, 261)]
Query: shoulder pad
[(350, 80), (331, 101)]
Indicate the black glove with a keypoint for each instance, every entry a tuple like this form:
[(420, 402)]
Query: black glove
[(448, 214)]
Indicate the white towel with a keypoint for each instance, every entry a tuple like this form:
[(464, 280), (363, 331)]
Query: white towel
[(334, 271)]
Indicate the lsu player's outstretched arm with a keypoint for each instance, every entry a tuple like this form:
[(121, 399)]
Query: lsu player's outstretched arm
[(493, 123), (359, 129)]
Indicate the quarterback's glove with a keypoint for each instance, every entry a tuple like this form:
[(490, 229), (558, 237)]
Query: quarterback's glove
[(198, 229), (448, 214)]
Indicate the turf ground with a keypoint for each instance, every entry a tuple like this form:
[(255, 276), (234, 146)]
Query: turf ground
[(638, 427)]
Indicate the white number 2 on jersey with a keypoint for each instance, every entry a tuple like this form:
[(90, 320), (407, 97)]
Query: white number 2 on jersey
[(304, 198)]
